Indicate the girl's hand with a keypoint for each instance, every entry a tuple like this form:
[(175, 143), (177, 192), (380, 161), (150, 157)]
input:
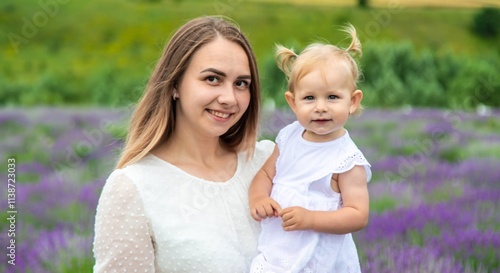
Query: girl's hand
[(263, 207), (297, 218)]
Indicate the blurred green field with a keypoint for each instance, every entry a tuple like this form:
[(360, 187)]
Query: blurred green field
[(384, 3), (101, 52)]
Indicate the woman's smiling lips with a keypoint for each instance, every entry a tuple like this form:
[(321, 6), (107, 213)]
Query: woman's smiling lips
[(219, 114)]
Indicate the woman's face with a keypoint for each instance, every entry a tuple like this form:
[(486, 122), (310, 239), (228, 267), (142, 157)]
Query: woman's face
[(215, 89)]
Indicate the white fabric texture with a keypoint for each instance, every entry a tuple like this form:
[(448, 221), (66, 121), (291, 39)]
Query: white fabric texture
[(154, 217), (303, 173)]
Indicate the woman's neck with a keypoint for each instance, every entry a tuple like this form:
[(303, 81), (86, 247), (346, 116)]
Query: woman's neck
[(203, 158)]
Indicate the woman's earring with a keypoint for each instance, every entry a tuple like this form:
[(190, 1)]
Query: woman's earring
[(175, 96)]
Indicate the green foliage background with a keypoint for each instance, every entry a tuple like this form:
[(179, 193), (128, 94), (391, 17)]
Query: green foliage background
[(63, 52)]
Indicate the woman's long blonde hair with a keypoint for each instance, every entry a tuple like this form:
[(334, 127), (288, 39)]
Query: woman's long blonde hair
[(315, 55), (153, 120)]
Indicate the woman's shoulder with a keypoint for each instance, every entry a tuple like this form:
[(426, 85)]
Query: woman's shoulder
[(263, 149), (132, 173), (147, 164), (117, 175), (118, 183), (264, 146)]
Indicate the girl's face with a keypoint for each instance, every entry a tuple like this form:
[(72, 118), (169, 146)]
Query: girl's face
[(322, 102), (215, 89)]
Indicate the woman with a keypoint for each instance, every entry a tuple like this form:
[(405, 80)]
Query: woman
[(178, 199)]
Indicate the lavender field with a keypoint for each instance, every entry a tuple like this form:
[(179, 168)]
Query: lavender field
[(435, 191)]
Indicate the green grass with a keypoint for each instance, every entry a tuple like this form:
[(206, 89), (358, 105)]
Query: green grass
[(110, 46), (383, 203), (444, 193)]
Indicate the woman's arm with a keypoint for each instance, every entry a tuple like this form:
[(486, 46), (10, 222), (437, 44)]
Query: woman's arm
[(353, 215), (261, 205), (122, 235)]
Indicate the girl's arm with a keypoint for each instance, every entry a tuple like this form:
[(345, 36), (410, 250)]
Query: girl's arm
[(353, 215), (261, 205)]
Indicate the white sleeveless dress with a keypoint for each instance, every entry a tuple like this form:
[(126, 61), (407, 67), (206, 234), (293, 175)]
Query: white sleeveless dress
[(303, 173)]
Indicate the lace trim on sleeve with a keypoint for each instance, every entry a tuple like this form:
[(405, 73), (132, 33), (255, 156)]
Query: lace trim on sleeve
[(123, 239), (281, 139), (355, 158)]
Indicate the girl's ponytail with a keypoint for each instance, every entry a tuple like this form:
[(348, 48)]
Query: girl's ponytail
[(355, 46), (284, 59)]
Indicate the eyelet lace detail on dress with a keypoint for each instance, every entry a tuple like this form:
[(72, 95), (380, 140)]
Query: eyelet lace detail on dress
[(353, 159)]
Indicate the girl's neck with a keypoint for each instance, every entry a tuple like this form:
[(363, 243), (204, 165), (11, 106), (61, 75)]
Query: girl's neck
[(312, 137)]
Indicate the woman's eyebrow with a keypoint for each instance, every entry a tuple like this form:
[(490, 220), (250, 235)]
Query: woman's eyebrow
[(213, 70), (245, 77), (220, 73)]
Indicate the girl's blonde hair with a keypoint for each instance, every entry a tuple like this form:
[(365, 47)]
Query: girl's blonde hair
[(317, 55), (153, 120)]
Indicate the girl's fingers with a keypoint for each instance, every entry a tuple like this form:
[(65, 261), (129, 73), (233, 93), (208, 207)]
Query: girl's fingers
[(255, 215), (276, 206), (269, 210)]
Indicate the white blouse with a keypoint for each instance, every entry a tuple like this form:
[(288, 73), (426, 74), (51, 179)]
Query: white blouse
[(155, 217)]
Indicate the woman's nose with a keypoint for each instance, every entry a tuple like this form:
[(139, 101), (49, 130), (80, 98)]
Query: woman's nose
[(227, 96)]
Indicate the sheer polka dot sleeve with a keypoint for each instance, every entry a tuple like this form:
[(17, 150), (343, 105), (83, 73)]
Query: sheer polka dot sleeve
[(123, 240)]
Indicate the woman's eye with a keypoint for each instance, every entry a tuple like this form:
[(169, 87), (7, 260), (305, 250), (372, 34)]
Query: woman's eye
[(242, 84), (212, 79)]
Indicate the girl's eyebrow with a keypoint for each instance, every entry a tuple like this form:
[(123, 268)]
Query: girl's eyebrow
[(222, 74)]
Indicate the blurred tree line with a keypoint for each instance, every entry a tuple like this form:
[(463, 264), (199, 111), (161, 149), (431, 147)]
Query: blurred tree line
[(394, 74)]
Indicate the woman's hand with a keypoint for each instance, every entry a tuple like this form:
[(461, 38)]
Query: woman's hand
[(297, 218), (263, 207)]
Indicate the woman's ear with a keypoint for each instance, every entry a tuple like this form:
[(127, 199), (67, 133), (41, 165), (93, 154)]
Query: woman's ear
[(175, 93), (290, 99), (356, 98)]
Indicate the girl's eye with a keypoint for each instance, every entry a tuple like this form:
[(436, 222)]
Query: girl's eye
[(212, 79), (309, 98), (332, 97)]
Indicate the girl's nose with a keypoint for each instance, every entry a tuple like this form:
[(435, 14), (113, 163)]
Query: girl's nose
[(320, 106)]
